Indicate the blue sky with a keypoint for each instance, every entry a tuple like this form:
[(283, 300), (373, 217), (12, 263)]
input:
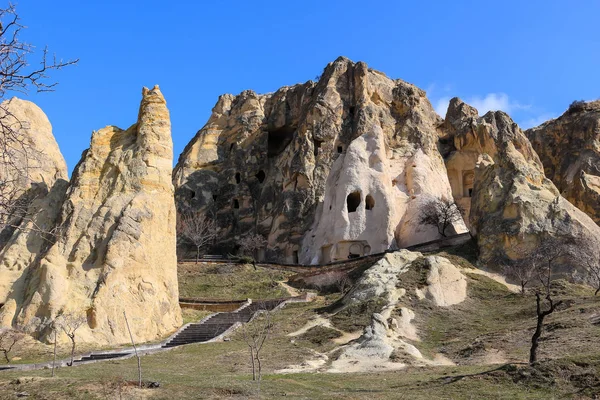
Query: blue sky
[(530, 58)]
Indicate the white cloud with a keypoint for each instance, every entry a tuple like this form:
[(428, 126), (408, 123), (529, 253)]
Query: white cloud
[(441, 106), (489, 102)]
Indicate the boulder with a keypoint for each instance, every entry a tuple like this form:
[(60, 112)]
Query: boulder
[(569, 148), (115, 249)]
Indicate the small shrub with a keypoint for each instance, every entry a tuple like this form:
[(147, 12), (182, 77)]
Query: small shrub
[(577, 105)]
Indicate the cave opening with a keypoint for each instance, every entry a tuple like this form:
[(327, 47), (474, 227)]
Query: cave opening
[(369, 202), (317, 146), (340, 149), (278, 140), (261, 176), (353, 201), (236, 203), (238, 178)]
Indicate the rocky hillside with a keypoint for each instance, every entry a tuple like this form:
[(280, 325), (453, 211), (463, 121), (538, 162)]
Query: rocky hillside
[(569, 148), (114, 250), (342, 167), (512, 202), (324, 170)]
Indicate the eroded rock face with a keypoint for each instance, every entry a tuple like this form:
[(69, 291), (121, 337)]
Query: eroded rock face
[(34, 182), (35, 155), (569, 148), (324, 170), (115, 249), (390, 342), (512, 200)]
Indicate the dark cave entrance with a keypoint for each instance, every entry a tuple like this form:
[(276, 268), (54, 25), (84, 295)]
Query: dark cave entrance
[(353, 201), (278, 140)]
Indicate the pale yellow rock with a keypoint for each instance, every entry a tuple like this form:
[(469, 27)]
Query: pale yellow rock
[(115, 251), (446, 285), (512, 200), (569, 148), (36, 164), (37, 154)]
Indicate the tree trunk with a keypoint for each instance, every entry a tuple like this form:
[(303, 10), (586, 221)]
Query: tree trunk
[(597, 291), (523, 288), (139, 361), (6, 356), (259, 367), (253, 365), (197, 254), (72, 349), (535, 338), (54, 354)]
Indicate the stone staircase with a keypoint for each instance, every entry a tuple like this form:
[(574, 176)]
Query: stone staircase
[(219, 323), (210, 328)]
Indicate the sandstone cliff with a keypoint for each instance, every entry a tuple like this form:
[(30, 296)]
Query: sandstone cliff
[(115, 249), (28, 196), (569, 148), (512, 200), (325, 170)]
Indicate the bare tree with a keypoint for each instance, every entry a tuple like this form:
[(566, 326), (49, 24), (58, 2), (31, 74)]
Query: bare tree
[(196, 229), (590, 254), (9, 338), (440, 213), (17, 75), (523, 270), (256, 334), (251, 243), (139, 360), (547, 257), (69, 324)]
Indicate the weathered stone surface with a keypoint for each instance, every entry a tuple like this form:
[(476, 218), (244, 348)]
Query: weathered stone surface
[(512, 200), (324, 170), (36, 163), (115, 250), (386, 343), (35, 155), (569, 148)]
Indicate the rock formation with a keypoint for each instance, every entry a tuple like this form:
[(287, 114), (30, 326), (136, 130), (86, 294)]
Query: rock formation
[(115, 249), (326, 170), (569, 148), (29, 197), (34, 153), (512, 200)]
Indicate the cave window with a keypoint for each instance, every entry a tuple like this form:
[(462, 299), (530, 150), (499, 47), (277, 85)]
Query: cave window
[(295, 257), (468, 183), (278, 139), (317, 146), (353, 201), (238, 178), (351, 111), (261, 176), (214, 196), (236, 203), (369, 202), (340, 149), (192, 194), (231, 147)]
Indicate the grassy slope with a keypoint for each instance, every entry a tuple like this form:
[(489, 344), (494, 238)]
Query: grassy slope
[(491, 319), (230, 281)]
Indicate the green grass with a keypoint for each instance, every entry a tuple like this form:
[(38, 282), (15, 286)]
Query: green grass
[(230, 281), (491, 319)]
